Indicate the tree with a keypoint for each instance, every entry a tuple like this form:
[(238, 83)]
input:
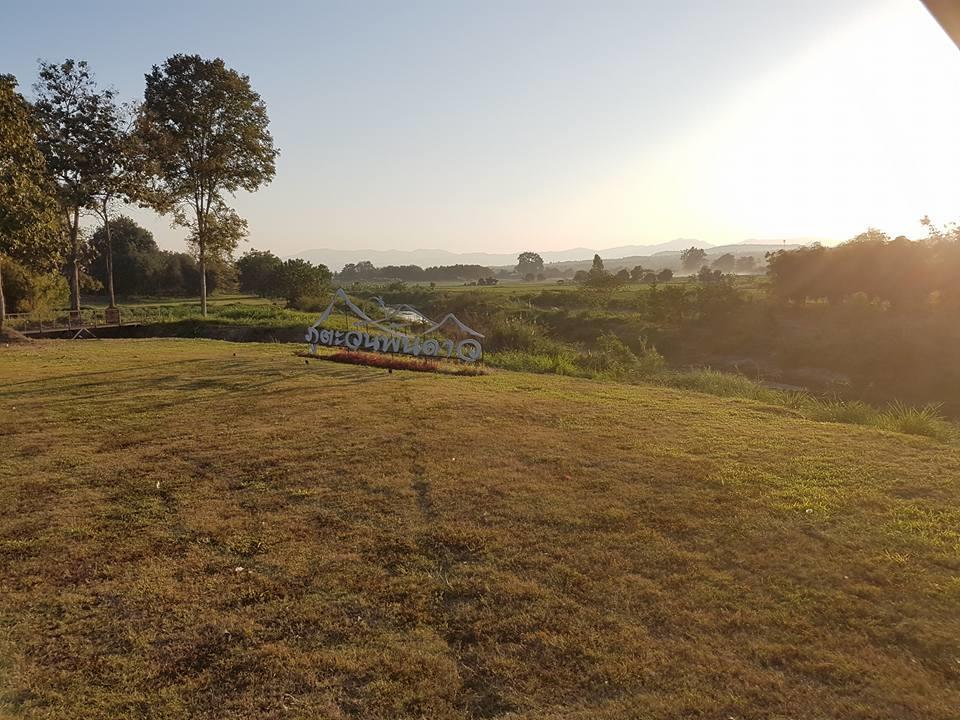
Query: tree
[(300, 278), (637, 273), (746, 264), (363, 270), (259, 272), (204, 130), (224, 231), (28, 210), (692, 258), (529, 263), (725, 263), (581, 276), (121, 181), (665, 275), (128, 252), (77, 138), (706, 275), (597, 271), (623, 275)]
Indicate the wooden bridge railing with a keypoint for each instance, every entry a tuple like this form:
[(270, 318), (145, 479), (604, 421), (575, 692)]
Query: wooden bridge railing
[(63, 320)]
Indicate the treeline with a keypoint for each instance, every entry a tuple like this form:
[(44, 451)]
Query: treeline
[(873, 268), (260, 272), (141, 268), (366, 270), (198, 136)]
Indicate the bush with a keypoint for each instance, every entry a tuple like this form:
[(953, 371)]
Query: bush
[(298, 278), (26, 292), (514, 334), (612, 358)]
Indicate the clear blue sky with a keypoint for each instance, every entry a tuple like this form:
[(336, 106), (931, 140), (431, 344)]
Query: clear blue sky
[(504, 126)]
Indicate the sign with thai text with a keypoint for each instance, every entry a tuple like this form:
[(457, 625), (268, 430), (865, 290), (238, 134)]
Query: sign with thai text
[(402, 329)]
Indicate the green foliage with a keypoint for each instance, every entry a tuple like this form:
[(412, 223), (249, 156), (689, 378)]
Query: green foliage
[(135, 255), (367, 271), (705, 275), (853, 412), (78, 130), (28, 217), (299, 278), (259, 273), (926, 421), (551, 363), (610, 357), (515, 334), (79, 138), (692, 258), (205, 131), (597, 269), (714, 382), (529, 263), (37, 293), (904, 273), (725, 263)]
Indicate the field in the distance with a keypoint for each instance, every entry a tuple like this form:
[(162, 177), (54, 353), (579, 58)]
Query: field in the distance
[(202, 529)]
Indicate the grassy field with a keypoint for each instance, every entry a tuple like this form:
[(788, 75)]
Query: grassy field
[(191, 528), (214, 300)]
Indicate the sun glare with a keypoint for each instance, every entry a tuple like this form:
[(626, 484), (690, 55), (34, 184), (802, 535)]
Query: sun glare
[(819, 148)]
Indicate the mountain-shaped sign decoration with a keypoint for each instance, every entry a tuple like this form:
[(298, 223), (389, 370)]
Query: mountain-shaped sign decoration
[(389, 338)]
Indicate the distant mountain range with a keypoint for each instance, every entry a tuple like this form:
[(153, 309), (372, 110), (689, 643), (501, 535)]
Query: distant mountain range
[(336, 259)]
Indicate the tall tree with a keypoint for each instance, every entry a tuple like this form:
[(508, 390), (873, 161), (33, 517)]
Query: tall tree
[(259, 273), (596, 270), (121, 181), (77, 136), (28, 210), (725, 263), (130, 255), (204, 129), (692, 258), (529, 263)]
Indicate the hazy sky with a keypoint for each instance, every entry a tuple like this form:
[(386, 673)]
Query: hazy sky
[(504, 126)]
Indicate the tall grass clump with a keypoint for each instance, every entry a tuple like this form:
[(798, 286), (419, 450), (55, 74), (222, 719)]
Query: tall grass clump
[(513, 334), (851, 412), (551, 363), (714, 382), (926, 421), (613, 359)]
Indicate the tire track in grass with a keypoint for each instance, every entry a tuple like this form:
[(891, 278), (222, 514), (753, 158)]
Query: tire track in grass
[(479, 695)]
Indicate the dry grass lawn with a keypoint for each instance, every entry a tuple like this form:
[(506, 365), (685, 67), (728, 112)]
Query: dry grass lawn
[(199, 529)]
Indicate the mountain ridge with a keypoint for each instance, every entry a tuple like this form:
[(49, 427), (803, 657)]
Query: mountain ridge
[(335, 259)]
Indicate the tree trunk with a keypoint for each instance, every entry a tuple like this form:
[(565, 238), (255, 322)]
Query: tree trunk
[(203, 280), (3, 303), (75, 261), (106, 227)]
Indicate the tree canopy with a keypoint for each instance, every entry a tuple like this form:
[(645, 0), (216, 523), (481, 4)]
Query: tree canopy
[(28, 218), (78, 138), (205, 131), (692, 258), (529, 263)]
